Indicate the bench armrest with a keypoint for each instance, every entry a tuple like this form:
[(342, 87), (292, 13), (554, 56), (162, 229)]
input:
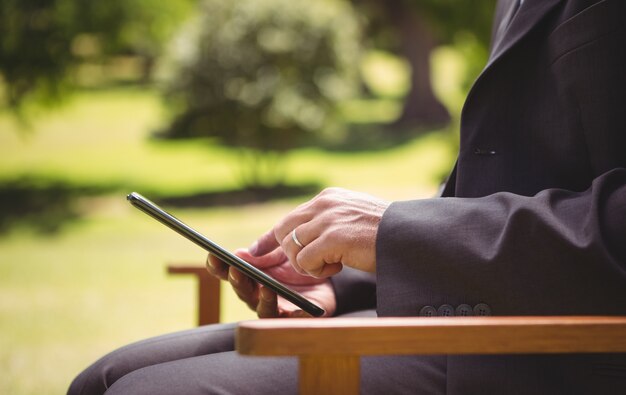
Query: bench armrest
[(329, 349)]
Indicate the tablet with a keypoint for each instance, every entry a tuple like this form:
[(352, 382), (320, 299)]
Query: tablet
[(227, 257)]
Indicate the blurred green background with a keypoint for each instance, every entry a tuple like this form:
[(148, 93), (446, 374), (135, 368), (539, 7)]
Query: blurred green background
[(90, 109)]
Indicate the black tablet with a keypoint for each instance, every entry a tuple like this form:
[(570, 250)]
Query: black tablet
[(246, 268)]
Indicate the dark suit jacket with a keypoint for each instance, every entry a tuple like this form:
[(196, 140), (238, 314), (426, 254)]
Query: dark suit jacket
[(533, 218)]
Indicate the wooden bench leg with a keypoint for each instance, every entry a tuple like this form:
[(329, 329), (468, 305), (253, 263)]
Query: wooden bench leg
[(330, 374), (208, 292)]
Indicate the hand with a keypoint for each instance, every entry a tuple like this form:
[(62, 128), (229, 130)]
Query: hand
[(338, 227), (263, 300)]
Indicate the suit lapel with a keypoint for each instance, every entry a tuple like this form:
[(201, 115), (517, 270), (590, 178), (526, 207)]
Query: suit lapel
[(503, 40), (504, 15), (524, 21)]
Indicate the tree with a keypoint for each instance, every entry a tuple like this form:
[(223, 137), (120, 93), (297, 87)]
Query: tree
[(43, 41), (263, 76), (413, 29)]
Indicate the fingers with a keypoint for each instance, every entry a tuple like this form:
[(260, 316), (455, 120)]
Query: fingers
[(305, 233), (216, 267), (273, 258), (259, 299), (298, 314), (268, 304), (319, 257), (264, 244), (268, 307), (291, 251), (342, 230), (281, 234), (246, 289), (301, 215)]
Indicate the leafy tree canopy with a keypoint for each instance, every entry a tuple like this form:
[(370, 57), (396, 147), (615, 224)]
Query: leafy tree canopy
[(42, 41)]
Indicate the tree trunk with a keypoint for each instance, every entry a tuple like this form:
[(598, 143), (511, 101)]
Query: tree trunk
[(421, 107)]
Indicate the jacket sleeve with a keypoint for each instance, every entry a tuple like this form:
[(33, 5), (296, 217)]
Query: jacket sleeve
[(558, 252)]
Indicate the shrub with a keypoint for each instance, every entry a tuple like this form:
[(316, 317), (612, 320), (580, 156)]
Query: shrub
[(262, 75)]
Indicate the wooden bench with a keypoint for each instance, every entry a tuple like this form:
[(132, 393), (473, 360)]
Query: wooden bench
[(329, 349)]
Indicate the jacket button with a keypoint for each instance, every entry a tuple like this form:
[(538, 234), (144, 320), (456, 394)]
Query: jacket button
[(482, 309), (464, 310), (445, 310), (428, 311)]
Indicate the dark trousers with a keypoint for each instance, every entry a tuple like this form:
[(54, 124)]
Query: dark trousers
[(202, 361)]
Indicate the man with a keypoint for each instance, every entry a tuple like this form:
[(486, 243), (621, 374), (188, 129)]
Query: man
[(532, 222)]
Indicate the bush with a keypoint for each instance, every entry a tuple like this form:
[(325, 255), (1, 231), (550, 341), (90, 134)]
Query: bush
[(264, 75)]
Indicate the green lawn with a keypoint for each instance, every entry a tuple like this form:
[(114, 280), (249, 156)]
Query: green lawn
[(67, 298)]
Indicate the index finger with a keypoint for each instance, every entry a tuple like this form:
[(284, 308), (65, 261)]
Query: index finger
[(264, 245)]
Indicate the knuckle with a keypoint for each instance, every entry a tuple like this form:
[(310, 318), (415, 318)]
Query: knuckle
[(317, 273), (285, 242), (331, 190), (297, 266), (325, 202), (301, 262), (279, 229), (326, 194), (331, 238), (325, 191), (309, 266)]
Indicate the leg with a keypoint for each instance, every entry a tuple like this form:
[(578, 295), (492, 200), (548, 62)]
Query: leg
[(231, 373), (221, 373), (186, 344), (201, 361)]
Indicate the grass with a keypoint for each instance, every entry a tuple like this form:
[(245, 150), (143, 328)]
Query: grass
[(69, 297), (102, 137), (66, 300)]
